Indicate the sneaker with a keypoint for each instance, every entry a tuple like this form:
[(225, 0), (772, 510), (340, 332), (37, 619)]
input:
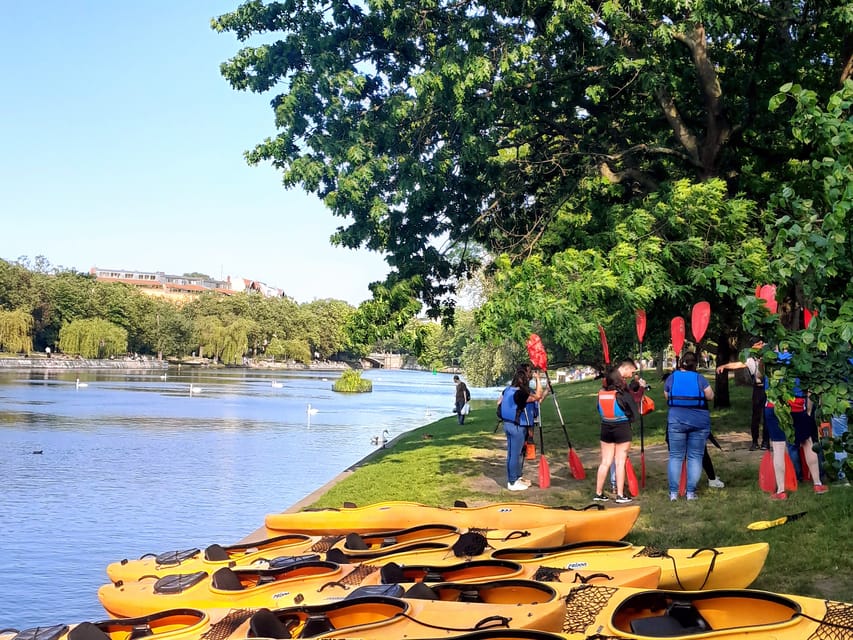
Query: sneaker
[(691, 496), (516, 486), (624, 499), (600, 497), (524, 480), (716, 483), (779, 496), (673, 496), (821, 488), (765, 446), (753, 446)]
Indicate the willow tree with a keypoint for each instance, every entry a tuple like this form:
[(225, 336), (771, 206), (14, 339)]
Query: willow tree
[(16, 331), (93, 338)]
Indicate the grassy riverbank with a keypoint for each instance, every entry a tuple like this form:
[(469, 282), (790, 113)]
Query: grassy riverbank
[(443, 462)]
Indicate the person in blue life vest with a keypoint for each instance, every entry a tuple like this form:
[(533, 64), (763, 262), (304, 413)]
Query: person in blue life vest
[(512, 406), (618, 410), (688, 423)]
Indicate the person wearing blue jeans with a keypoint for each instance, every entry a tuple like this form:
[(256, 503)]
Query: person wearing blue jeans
[(688, 423), (512, 406)]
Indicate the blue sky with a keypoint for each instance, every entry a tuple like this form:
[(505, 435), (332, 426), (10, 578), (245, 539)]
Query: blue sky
[(122, 147)]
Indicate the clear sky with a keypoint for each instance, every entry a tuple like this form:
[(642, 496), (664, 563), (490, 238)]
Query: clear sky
[(121, 146)]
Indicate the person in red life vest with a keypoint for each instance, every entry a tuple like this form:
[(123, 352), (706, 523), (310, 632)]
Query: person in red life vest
[(618, 410), (688, 423), (512, 408), (805, 433)]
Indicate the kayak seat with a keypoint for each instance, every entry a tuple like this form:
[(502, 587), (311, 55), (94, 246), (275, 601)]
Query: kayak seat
[(680, 619), (87, 631), (470, 595), (421, 591), (315, 625), (265, 624), (389, 541), (216, 553), (392, 573), (355, 542), (226, 580), (387, 590)]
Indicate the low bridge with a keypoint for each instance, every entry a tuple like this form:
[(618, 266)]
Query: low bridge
[(382, 361)]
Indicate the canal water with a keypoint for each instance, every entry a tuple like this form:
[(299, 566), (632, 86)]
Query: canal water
[(126, 463)]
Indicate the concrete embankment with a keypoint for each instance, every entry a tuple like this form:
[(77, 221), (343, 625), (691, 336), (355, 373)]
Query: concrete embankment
[(59, 364)]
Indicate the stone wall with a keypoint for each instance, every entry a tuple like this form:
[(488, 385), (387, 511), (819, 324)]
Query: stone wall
[(59, 363)]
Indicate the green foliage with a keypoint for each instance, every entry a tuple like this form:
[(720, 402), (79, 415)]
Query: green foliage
[(487, 364), (809, 235), (16, 331), (352, 382), (93, 338), (442, 134)]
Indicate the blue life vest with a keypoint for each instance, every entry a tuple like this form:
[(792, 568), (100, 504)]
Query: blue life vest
[(510, 412), (686, 391), (609, 409)]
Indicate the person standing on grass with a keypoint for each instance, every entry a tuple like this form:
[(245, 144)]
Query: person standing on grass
[(688, 423), (618, 410), (512, 406), (754, 365), (462, 398)]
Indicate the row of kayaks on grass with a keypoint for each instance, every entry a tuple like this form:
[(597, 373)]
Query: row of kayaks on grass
[(381, 572), (502, 610), (312, 579)]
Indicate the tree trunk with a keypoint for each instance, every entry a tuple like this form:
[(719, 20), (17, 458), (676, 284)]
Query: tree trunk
[(721, 381)]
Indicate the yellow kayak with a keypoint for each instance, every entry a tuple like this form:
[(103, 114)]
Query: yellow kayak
[(309, 580), (178, 624), (725, 614), (591, 523), (216, 556), (440, 611), (733, 567)]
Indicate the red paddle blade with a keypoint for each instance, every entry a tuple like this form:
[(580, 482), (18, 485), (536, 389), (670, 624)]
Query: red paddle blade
[(682, 484), (631, 478), (766, 476), (699, 319), (677, 333), (641, 324), (536, 352), (544, 473), (604, 348), (767, 293), (808, 315), (575, 465), (790, 474)]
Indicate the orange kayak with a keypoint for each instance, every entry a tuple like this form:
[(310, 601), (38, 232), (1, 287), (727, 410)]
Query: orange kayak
[(591, 523)]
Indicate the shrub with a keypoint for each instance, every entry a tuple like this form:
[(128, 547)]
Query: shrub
[(352, 382)]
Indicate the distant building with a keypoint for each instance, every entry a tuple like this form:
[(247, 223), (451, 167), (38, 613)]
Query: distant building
[(160, 284)]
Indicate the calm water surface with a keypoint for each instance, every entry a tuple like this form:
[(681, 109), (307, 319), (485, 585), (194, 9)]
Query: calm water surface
[(132, 463)]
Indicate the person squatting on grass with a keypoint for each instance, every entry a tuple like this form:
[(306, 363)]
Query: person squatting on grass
[(512, 406), (617, 409), (688, 423)]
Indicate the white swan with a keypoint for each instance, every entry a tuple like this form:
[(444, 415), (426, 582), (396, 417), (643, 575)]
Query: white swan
[(195, 389), (81, 385), (277, 385), (380, 440), (311, 411), (164, 376)]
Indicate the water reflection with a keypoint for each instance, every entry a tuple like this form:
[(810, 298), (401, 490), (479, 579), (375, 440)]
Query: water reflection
[(133, 463)]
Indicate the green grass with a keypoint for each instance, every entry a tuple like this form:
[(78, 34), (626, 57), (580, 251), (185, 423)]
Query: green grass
[(443, 462)]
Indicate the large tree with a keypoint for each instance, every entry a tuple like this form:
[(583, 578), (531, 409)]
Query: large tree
[(530, 129)]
